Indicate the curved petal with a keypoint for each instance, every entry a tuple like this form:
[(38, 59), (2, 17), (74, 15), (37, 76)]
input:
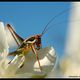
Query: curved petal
[(47, 58)]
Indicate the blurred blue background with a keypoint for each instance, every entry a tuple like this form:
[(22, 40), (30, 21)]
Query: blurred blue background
[(30, 18)]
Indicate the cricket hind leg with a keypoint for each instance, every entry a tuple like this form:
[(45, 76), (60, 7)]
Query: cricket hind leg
[(35, 52)]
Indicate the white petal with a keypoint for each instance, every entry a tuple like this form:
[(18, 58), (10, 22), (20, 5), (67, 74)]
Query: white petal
[(47, 58), (3, 40), (2, 37)]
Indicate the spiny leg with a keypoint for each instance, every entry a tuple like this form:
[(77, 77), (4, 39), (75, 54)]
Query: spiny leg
[(34, 51), (22, 61)]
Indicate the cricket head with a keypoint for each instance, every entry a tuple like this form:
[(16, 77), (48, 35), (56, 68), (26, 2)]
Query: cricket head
[(38, 41)]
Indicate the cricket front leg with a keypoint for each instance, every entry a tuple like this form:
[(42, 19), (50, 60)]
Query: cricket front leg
[(35, 52)]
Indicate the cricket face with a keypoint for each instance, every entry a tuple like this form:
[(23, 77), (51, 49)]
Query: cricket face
[(38, 41)]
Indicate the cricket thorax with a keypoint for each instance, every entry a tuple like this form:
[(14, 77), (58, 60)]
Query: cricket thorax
[(24, 50)]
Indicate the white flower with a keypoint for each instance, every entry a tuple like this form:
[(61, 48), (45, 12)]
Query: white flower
[(47, 58)]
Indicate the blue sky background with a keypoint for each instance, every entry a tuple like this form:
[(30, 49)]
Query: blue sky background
[(30, 18)]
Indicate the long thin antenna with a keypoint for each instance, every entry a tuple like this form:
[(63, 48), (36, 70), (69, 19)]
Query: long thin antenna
[(62, 22), (53, 19)]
